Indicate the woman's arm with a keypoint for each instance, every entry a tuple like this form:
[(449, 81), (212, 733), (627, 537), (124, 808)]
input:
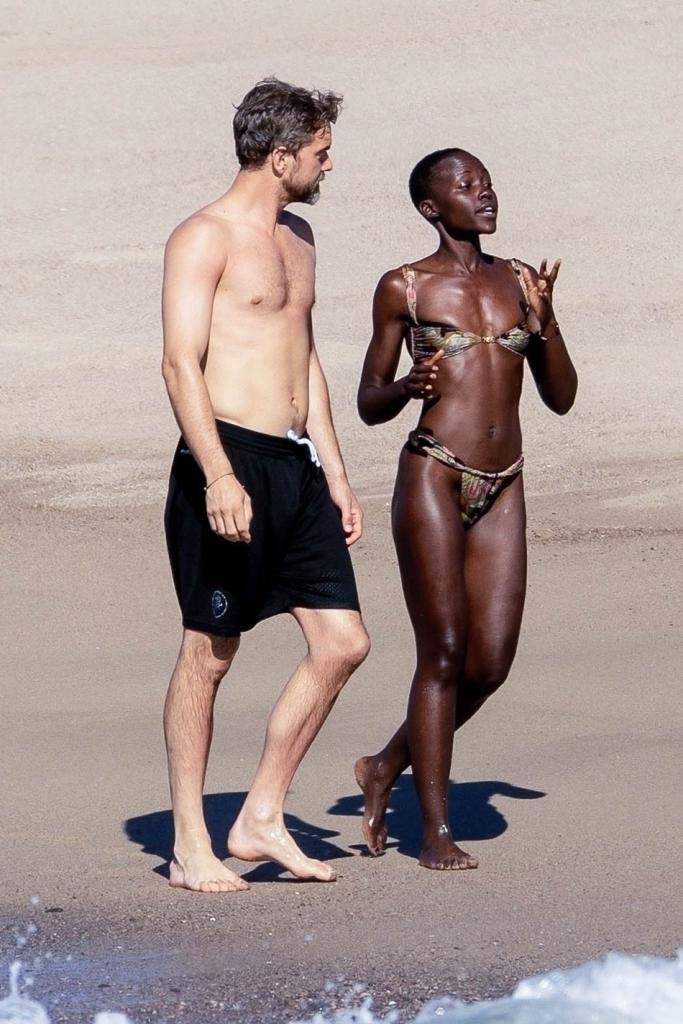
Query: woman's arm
[(380, 396), (548, 358)]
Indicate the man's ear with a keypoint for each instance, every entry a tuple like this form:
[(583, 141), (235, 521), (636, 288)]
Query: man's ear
[(428, 209), (278, 159)]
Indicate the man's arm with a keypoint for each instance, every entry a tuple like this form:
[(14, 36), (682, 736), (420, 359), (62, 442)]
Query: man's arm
[(194, 262), (323, 435)]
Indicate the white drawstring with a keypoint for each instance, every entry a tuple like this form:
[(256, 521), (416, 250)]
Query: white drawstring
[(309, 444)]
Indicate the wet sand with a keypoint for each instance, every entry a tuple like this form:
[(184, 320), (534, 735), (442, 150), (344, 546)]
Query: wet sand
[(566, 785)]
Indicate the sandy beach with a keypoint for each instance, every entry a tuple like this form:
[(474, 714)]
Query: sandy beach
[(566, 786)]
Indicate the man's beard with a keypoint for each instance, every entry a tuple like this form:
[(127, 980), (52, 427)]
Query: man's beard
[(309, 194)]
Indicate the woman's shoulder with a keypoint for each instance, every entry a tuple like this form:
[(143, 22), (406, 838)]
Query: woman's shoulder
[(516, 264), (394, 280), (392, 291)]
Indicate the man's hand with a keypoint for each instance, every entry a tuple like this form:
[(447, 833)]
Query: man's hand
[(351, 512), (228, 507), (421, 381)]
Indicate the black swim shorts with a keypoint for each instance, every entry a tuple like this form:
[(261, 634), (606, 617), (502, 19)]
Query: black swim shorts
[(297, 556)]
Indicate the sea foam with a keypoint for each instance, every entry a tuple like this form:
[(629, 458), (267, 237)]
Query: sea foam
[(618, 989)]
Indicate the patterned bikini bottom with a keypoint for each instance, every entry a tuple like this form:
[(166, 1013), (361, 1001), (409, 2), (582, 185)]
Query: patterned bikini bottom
[(478, 488)]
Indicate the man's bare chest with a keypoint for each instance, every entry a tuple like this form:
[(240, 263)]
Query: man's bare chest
[(269, 278)]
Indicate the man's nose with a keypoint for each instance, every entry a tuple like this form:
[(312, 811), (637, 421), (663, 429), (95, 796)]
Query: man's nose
[(328, 165)]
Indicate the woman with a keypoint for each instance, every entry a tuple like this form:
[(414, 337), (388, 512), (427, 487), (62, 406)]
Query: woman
[(470, 321)]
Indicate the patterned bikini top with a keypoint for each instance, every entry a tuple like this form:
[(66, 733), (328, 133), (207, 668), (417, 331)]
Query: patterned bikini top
[(426, 339)]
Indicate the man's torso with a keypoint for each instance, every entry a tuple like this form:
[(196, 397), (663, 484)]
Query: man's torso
[(257, 361)]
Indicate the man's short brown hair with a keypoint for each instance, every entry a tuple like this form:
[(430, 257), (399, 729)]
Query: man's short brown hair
[(275, 114)]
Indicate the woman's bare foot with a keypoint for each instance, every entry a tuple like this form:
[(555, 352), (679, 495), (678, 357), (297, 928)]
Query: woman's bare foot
[(201, 871), (258, 839), (376, 789), (441, 854)]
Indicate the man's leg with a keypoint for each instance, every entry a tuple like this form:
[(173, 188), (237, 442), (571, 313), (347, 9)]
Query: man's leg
[(188, 726), (337, 644)]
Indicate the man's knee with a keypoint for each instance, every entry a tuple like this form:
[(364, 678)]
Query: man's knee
[(358, 646), (208, 655), (343, 647)]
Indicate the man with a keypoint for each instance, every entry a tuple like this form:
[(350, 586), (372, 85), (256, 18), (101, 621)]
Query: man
[(260, 513)]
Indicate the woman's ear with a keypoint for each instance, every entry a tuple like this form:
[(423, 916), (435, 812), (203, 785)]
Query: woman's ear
[(428, 209)]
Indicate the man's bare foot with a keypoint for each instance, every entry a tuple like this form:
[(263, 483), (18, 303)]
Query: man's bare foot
[(255, 839), (203, 872), (441, 854), (376, 790)]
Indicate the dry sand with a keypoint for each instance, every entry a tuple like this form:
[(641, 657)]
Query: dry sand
[(567, 785)]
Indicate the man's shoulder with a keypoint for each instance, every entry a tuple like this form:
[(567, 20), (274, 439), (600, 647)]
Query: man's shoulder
[(200, 241), (298, 225), (202, 227)]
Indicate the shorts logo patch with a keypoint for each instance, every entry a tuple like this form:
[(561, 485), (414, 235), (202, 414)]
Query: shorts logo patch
[(219, 604)]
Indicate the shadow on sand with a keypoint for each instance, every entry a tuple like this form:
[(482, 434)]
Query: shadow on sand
[(154, 833), (473, 816)]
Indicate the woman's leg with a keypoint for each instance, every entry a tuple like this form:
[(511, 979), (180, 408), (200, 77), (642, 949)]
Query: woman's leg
[(495, 575), (430, 544), (495, 581)]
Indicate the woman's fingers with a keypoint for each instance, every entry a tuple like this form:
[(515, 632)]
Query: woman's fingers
[(422, 381), (433, 360), (550, 276), (531, 285), (555, 271)]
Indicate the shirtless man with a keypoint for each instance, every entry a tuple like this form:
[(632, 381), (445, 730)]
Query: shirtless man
[(260, 512)]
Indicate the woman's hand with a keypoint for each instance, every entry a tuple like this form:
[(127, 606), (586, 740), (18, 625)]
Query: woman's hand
[(421, 381), (540, 292)]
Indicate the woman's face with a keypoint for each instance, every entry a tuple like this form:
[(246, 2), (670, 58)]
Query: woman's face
[(462, 197)]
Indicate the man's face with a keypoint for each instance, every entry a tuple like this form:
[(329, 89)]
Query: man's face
[(308, 168)]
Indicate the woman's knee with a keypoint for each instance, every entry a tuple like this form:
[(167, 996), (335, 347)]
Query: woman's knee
[(483, 680), (444, 660)]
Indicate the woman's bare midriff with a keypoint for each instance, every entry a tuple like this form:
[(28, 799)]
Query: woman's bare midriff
[(477, 412)]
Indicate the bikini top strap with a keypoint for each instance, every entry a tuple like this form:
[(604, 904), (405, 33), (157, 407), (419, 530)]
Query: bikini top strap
[(517, 267), (411, 294)]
